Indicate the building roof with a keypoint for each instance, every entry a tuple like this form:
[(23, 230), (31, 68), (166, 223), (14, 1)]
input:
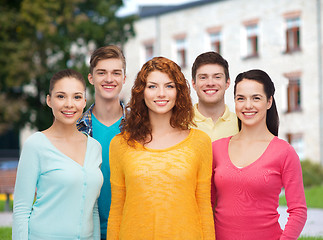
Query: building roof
[(156, 10)]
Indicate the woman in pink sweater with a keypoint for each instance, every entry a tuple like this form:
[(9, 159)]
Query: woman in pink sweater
[(251, 167)]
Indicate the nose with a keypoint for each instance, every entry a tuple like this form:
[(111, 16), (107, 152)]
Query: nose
[(210, 81), (248, 104), (68, 102), (108, 77), (161, 92)]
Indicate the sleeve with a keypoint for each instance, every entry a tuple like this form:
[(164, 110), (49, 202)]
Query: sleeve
[(295, 196), (203, 191), (118, 189), (27, 176), (96, 222)]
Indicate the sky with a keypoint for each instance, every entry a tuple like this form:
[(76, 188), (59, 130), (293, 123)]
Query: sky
[(131, 6)]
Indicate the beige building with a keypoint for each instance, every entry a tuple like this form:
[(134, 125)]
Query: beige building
[(281, 37)]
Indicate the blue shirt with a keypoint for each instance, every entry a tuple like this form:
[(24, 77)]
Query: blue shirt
[(104, 135), (65, 207)]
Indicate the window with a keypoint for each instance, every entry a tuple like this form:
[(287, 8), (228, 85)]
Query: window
[(181, 52), (297, 142), (294, 95), (149, 51), (215, 39), (252, 40), (293, 34)]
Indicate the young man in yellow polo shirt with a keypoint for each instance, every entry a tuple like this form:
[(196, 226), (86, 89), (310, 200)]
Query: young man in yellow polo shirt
[(210, 79)]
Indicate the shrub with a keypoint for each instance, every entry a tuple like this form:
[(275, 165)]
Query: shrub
[(312, 173)]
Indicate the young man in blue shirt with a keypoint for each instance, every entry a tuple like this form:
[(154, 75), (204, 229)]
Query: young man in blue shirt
[(103, 118)]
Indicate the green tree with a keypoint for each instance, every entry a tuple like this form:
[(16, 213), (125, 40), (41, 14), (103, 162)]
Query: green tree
[(37, 39)]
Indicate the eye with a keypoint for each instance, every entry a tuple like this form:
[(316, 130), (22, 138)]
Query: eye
[(202, 77), (117, 73), (239, 99), (151, 86), (100, 73), (78, 97), (60, 96), (170, 86), (257, 98)]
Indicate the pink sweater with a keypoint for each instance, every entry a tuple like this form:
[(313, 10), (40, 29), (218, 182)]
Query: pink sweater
[(247, 198)]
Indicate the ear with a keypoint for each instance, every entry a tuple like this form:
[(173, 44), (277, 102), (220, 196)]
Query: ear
[(194, 84), (48, 101), (90, 78), (269, 102), (124, 79), (227, 84)]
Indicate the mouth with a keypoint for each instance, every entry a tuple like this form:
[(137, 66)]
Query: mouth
[(108, 86), (68, 113), (210, 91), (161, 102), (249, 113)]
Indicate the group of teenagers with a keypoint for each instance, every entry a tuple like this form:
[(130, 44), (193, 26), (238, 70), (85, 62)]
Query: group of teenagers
[(158, 168)]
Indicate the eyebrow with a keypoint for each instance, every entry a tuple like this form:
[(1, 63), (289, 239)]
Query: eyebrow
[(61, 92), (203, 74), (104, 70), (151, 82)]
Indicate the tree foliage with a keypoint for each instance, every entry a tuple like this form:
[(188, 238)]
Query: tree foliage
[(39, 38)]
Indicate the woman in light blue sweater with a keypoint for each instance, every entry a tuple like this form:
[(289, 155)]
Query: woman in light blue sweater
[(62, 166)]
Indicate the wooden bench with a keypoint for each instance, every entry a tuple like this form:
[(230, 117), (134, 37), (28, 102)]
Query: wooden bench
[(7, 184)]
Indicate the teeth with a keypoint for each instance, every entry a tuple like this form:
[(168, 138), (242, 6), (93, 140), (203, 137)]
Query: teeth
[(160, 101), (249, 114), (108, 87), (210, 91), (68, 113)]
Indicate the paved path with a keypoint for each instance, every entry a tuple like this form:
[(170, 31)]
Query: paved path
[(313, 226)]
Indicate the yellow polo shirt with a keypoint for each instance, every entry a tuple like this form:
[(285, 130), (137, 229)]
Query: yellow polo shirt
[(225, 126)]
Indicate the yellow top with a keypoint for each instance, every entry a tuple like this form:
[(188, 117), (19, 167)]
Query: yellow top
[(225, 126), (161, 193)]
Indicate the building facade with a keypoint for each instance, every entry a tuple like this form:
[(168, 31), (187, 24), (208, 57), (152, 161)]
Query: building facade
[(281, 37)]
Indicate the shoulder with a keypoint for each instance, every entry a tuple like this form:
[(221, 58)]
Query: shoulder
[(35, 139), (220, 142), (197, 133), (93, 142)]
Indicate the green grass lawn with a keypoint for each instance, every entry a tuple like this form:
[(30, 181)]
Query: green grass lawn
[(2, 204), (313, 197)]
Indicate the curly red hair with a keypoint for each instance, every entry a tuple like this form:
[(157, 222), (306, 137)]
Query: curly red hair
[(136, 124)]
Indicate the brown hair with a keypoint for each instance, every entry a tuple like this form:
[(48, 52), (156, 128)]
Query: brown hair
[(107, 52), (137, 125), (66, 73), (210, 58)]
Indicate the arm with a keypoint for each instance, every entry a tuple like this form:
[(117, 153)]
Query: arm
[(203, 191), (96, 222), (295, 197), (118, 189), (27, 177)]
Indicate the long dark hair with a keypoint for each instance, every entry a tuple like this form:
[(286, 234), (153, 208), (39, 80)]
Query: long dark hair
[(272, 118)]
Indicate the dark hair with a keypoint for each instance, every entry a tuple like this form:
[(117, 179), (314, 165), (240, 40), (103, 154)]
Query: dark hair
[(137, 125), (107, 52), (66, 73), (210, 58), (272, 118)]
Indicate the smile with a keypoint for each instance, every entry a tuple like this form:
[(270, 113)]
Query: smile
[(161, 102), (210, 91), (249, 113), (69, 114), (108, 86)]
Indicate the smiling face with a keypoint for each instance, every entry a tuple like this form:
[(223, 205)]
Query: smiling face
[(160, 93), (251, 103), (67, 100), (210, 84), (108, 78)]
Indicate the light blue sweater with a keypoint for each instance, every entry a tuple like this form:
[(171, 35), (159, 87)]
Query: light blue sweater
[(65, 207)]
